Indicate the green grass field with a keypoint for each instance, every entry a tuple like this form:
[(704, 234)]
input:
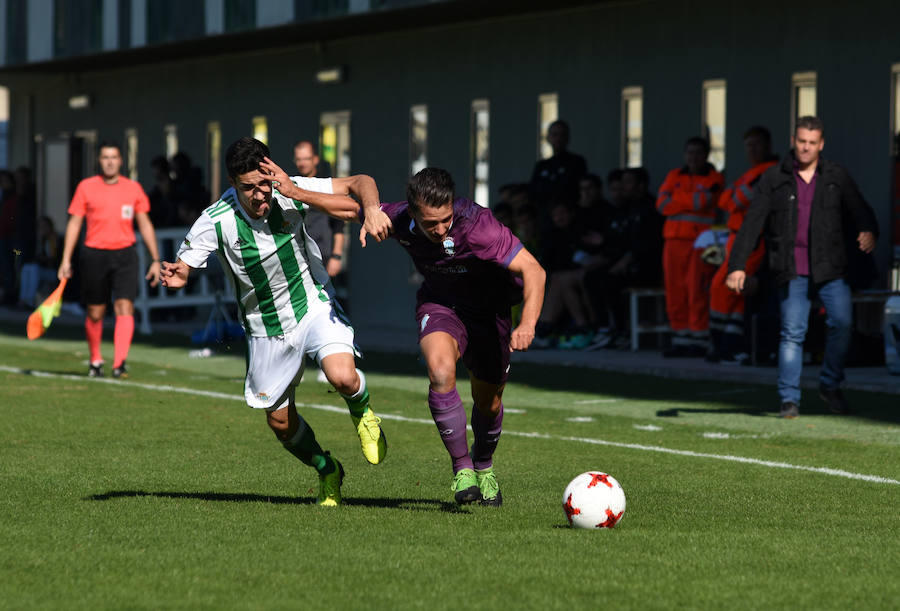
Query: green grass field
[(147, 493)]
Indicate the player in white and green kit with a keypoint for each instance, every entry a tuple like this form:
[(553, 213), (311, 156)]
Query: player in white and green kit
[(285, 298)]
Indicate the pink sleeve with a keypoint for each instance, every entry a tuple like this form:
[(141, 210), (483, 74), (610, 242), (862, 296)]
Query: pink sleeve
[(78, 207), (141, 202)]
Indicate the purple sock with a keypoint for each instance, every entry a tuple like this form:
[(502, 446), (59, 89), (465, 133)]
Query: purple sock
[(450, 417), (487, 430)]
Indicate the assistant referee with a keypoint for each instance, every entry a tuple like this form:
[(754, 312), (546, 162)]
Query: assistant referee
[(109, 261)]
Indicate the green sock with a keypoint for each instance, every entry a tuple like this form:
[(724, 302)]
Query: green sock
[(359, 402), (304, 446)]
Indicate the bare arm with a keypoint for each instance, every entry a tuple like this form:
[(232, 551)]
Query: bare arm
[(145, 226), (334, 204), (335, 263), (73, 230), (175, 275), (377, 224), (534, 278)]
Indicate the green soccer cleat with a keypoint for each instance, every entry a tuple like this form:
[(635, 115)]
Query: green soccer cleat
[(330, 485), (465, 487), (371, 437), (490, 489)]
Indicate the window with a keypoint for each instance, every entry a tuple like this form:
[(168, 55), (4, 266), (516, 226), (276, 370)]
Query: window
[(895, 110), (632, 126), (548, 112), (171, 134), (334, 140), (85, 147), (131, 153), (480, 169), (418, 138), (4, 127), (77, 27), (213, 157), (240, 15), (16, 33), (261, 129), (803, 96), (713, 121)]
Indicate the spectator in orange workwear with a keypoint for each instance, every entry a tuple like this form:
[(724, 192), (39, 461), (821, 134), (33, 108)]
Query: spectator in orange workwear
[(687, 198)]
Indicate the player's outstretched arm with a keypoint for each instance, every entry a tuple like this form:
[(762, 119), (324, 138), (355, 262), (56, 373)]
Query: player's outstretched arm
[(376, 223), (334, 204), (533, 280), (174, 275)]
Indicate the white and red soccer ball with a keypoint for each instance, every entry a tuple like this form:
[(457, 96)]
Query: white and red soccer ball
[(594, 500)]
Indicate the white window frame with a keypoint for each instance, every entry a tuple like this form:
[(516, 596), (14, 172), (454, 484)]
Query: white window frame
[(547, 113), (716, 153), (630, 94), (800, 81)]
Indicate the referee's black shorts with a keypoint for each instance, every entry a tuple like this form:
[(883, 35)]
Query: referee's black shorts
[(106, 273)]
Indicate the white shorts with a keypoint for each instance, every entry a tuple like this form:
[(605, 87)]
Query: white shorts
[(276, 363)]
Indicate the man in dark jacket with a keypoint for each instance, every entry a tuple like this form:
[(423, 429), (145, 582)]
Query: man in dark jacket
[(800, 206)]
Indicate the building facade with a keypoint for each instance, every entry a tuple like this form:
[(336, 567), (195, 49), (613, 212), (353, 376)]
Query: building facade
[(388, 86)]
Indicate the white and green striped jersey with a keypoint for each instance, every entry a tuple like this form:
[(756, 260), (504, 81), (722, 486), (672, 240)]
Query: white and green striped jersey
[(275, 268)]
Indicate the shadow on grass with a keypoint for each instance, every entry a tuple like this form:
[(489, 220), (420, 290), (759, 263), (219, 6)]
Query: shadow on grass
[(238, 497), (760, 400)]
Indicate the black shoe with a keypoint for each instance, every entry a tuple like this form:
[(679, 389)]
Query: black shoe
[(789, 410), (121, 371), (835, 400), (95, 371)]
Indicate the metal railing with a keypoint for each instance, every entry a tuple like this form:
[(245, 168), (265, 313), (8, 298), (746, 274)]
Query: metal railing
[(201, 290)]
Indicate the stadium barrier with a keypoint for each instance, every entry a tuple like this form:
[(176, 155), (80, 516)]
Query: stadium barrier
[(201, 290)]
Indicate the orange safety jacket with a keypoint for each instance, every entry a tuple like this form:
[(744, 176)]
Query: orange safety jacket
[(736, 199), (688, 201)]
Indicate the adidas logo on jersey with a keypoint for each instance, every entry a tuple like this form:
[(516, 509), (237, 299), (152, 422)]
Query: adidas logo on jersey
[(240, 243)]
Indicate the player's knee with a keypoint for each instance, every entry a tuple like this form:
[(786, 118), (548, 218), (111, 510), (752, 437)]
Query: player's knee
[(279, 422), (442, 376), (345, 380)]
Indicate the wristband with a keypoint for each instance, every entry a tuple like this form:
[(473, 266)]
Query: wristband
[(335, 257)]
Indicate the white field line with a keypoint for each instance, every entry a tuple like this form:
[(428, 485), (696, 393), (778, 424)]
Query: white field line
[(600, 442)]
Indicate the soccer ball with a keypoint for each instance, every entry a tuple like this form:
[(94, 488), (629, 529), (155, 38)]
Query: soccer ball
[(594, 500)]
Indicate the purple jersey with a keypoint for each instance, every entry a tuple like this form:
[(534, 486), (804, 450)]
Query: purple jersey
[(468, 271)]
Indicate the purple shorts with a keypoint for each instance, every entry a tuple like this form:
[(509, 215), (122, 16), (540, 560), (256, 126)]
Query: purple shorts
[(483, 341)]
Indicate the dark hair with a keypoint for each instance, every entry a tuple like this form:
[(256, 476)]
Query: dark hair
[(698, 141), (559, 123), (244, 155), (615, 175), (109, 144), (432, 187), (760, 132), (640, 174), (811, 123), (598, 182)]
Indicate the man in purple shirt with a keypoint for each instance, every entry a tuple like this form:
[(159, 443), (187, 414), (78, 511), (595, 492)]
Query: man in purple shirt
[(475, 270), (807, 204)]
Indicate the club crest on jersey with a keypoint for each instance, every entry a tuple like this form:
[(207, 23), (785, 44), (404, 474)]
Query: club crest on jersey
[(286, 225), (449, 246), (262, 396)]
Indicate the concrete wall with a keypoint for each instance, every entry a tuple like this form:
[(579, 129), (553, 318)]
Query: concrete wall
[(585, 55)]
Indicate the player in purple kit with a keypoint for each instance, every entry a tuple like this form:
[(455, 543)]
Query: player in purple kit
[(475, 270)]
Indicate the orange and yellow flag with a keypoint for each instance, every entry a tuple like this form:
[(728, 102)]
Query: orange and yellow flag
[(41, 318)]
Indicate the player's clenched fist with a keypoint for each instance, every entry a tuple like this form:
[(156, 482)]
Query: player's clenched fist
[(521, 338)]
